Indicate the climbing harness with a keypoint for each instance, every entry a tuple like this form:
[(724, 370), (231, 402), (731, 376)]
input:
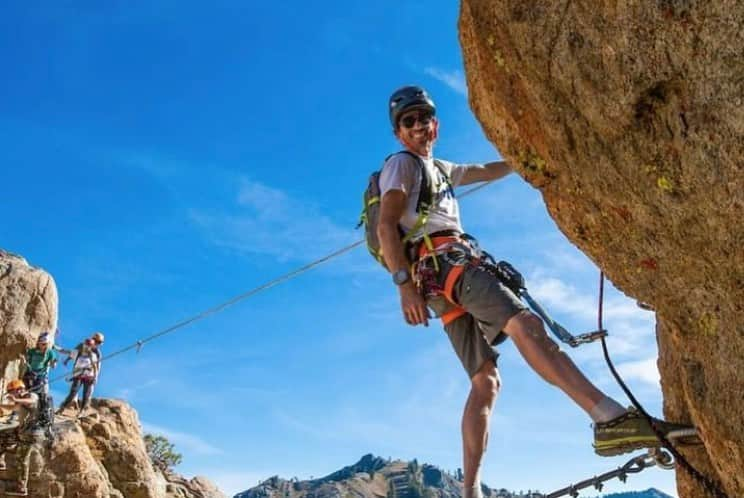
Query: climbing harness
[(458, 251), (461, 250)]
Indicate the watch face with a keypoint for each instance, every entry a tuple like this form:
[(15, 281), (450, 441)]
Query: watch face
[(400, 277)]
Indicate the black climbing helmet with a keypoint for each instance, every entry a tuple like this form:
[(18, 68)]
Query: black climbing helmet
[(408, 97)]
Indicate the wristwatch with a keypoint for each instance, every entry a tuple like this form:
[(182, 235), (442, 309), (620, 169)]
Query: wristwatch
[(400, 277)]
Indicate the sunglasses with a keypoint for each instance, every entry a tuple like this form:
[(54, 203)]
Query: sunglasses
[(423, 117)]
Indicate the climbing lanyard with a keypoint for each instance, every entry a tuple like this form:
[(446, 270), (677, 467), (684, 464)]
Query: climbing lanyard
[(515, 281)]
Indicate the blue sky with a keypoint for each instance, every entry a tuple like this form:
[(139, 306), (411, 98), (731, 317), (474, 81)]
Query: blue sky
[(162, 157)]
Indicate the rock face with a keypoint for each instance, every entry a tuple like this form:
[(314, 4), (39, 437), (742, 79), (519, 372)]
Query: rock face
[(101, 456), (629, 118), (196, 487), (28, 306)]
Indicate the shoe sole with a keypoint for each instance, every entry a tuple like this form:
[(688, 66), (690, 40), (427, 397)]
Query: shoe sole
[(613, 448)]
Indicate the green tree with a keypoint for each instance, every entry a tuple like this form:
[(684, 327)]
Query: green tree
[(161, 452)]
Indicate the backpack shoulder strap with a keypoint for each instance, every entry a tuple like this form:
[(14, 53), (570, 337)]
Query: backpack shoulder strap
[(424, 198), (440, 166)]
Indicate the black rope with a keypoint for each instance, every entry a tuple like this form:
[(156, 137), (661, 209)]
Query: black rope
[(703, 480)]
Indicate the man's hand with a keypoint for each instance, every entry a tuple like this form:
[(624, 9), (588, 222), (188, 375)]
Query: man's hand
[(413, 305)]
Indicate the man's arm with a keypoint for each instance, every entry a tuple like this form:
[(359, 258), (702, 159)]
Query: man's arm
[(27, 402), (62, 350), (489, 171), (97, 365), (13, 402), (392, 206)]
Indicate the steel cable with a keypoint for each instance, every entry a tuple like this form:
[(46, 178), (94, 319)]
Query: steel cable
[(230, 302)]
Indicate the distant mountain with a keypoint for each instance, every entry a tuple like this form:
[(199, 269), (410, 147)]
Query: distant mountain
[(649, 493), (375, 477)]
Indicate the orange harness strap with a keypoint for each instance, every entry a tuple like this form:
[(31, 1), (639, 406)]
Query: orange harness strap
[(452, 315), (455, 272), (449, 285)]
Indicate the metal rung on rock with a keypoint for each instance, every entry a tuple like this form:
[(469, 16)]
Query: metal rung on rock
[(690, 432)]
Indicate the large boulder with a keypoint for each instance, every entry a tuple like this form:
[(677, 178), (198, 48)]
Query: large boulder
[(28, 306), (100, 456), (177, 486), (629, 118)]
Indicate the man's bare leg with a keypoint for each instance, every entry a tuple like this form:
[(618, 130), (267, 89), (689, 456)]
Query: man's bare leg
[(484, 388), (545, 357)]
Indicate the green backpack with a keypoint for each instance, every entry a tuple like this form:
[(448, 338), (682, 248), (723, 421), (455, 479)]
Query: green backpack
[(370, 216)]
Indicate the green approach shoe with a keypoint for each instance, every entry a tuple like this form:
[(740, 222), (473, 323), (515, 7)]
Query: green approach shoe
[(629, 432)]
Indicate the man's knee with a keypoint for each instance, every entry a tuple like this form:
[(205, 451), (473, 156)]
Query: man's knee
[(486, 383), (526, 329), (526, 324)]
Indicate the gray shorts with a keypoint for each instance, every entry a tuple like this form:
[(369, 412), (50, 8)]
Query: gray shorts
[(489, 305)]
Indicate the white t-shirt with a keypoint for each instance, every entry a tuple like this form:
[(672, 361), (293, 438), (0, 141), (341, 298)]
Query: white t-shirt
[(403, 172), (83, 366)]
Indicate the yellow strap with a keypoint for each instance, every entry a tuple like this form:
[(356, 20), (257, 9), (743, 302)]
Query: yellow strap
[(423, 217), (430, 246), (380, 257)]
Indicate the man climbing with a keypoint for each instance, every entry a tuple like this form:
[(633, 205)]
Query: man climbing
[(39, 360), (441, 267), (85, 371), (23, 437)]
